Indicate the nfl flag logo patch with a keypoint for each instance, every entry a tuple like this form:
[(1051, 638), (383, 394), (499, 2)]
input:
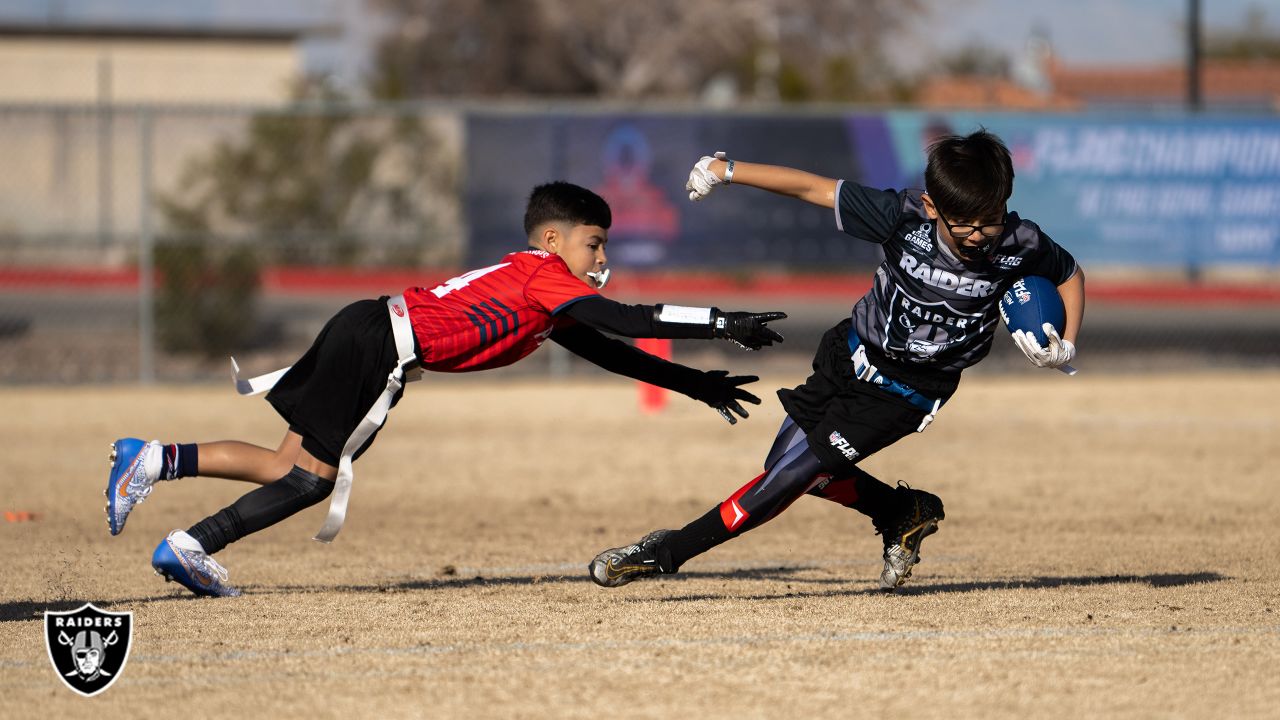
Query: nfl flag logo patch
[(88, 647), (839, 443), (1023, 294)]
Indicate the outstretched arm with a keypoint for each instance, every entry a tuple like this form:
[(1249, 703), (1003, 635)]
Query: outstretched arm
[(750, 330), (715, 388), (712, 172)]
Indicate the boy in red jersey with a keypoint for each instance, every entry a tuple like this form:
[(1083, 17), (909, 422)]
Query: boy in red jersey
[(335, 398)]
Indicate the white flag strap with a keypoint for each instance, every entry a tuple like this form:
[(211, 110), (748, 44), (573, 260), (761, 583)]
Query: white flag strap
[(402, 331), (373, 420), (342, 486), (407, 370), (255, 385)]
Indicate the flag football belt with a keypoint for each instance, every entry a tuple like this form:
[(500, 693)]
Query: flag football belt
[(865, 371), (407, 369)]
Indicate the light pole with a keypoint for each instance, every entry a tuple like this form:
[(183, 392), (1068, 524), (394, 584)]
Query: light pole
[(1195, 102)]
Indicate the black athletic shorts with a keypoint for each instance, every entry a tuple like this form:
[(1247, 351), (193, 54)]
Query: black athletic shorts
[(326, 394), (846, 419)]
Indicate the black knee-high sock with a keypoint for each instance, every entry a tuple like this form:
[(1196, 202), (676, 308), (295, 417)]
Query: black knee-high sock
[(261, 508), (693, 539)]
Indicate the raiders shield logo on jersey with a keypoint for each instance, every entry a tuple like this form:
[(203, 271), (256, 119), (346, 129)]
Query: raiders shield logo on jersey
[(88, 647)]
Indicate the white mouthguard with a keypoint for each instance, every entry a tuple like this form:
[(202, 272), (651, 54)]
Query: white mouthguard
[(600, 278)]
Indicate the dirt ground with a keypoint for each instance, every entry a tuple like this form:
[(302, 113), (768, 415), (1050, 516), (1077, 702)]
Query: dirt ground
[(1110, 550)]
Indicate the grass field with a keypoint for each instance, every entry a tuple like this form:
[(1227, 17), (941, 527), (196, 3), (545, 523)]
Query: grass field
[(1110, 550)]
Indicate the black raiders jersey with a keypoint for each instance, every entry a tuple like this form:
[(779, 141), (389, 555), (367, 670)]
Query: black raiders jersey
[(927, 311)]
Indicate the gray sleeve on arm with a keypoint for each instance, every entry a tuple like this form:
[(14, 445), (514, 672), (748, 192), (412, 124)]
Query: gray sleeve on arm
[(866, 213), (1053, 261)]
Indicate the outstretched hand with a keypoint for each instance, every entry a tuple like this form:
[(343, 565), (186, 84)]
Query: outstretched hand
[(749, 330), (723, 392), (701, 180)]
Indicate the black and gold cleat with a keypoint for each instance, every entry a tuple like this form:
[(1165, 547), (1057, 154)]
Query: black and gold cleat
[(619, 566), (917, 518)]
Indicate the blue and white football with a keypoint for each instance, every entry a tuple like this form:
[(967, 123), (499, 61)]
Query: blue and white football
[(1031, 302)]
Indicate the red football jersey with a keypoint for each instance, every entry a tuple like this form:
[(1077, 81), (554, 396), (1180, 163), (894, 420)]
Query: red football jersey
[(493, 316)]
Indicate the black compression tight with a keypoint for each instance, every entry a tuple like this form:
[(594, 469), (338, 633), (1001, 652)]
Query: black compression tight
[(261, 508), (793, 471)]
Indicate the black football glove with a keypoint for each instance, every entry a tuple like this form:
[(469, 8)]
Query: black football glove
[(722, 392), (745, 328)]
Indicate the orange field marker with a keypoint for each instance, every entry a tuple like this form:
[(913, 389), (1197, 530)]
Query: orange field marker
[(653, 398)]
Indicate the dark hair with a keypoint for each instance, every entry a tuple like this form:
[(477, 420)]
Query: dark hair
[(565, 202), (969, 176)]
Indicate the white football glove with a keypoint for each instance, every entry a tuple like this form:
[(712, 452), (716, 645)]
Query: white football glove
[(701, 180), (1057, 355)]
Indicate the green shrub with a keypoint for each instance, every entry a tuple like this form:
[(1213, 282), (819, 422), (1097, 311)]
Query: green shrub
[(207, 299)]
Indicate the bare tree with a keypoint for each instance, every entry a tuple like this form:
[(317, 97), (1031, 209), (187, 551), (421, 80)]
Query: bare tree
[(828, 49)]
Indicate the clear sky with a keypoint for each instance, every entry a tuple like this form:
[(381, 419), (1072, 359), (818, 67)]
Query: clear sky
[(1081, 31)]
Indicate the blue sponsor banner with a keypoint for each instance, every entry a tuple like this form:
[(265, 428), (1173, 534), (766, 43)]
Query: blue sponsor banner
[(1175, 192), (1148, 192)]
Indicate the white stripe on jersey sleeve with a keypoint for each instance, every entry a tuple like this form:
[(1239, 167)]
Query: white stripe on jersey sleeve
[(839, 223)]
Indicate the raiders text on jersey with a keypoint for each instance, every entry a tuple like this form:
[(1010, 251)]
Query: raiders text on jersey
[(945, 279)]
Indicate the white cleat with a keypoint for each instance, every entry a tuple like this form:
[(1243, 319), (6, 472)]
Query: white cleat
[(135, 467), (180, 558)]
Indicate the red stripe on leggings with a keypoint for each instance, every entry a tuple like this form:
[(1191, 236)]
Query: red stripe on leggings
[(731, 512)]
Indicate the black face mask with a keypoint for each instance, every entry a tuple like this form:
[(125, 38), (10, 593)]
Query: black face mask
[(978, 253)]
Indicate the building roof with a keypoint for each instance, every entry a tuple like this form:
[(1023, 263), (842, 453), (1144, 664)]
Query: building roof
[(1243, 83), (164, 31), (971, 92), (1220, 80)]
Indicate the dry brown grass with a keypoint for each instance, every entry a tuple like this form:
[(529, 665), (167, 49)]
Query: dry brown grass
[(1109, 550)]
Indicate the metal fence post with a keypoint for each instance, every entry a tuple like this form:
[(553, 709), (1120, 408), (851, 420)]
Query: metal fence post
[(106, 151), (146, 249)]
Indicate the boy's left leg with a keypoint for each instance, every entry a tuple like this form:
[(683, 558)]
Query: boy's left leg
[(859, 422), (793, 472), (258, 509), (136, 466), (903, 516), (185, 557)]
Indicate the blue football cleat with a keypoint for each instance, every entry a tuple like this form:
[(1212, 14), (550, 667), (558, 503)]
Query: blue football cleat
[(135, 467), (181, 559)]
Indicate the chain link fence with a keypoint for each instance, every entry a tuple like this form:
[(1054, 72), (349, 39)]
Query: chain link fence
[(149, 243), (142, 243)]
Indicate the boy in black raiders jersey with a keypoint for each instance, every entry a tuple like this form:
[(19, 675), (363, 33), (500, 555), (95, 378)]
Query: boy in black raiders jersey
[(950, 251)]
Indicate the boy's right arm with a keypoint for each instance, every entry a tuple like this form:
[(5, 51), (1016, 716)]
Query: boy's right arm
[(713, 171), (750, 330)]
